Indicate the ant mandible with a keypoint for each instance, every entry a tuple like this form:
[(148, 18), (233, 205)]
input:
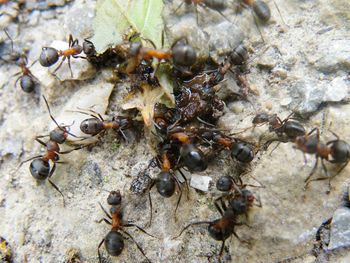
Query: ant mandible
[(114, 240), (40, 166), (50, 55), (335, 151)]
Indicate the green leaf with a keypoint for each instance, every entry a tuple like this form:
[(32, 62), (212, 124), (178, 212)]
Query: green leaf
[(115, 18)]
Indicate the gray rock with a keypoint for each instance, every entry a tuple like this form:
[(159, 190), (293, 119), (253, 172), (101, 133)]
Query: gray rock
[(308, 94), (200, 182), (220, 46), (93, 171), (333, 55), (269, 58), (340, 231)]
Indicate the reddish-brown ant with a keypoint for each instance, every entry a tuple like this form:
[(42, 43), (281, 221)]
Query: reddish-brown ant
[(222, 228), (114, 240), (335, 151), (40, 166), (27, 80), (192, 157), (183, 55), (50, 56), (166, 182), (97, 125), (240, 150)]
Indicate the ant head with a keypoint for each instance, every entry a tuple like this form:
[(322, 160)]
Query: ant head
[(224, 183), (59, 135), (193, 158), (22, 60), (243, 152), (27, 83), (88, 48), (184, 54), (248, 196), (165, 184), (114, 243), (134, 49), (39, 169), (48, 56), (114, 198), (261, 118)]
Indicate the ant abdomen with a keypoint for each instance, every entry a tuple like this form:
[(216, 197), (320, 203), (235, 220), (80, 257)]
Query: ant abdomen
[(114, 243), (39, 169), (224, 183), (193, 158), (242, 152), (165, 184), (238, 56), (184, 55), (293, 129), (27, 84), (216, 4), (262, 10), (91, 126), (340, 151), (48, 56)]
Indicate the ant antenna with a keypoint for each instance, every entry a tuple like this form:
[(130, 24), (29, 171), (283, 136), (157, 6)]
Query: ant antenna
[(8, 35)]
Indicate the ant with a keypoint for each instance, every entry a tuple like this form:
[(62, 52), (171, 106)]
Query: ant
[(50, 55), (240, 150), (260, 9), (40, 167), (183, 55), (335, 151), (222, 228), (192, 157), (166, 182), (27, 80), (97, 125), (114, 240)]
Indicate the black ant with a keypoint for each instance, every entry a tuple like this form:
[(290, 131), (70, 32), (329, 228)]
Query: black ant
[(166, 182), (335, 151), (240, 150), (222, 228), (114, 240), (192, 157), (97, 125), (14, 55), (40, 166), (27, 80), (50, 56)]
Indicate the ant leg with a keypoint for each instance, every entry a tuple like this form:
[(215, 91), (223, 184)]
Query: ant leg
[(178, 7), (106, 221), (312, 171), (179, 199), (192, 224), (222, 249), (98, 251), (278, 143), (257, 26), (216, 203), (186, 182), (137, 245), (70, 68), (97, 116), (239, 239), (123, 134), (70, 40), (32, 158), (279, 12), (74, 149), (58, 190), (150, 205), (63, 59), (40, 141), (313, 130), (107, 214), (139, 228), (48, 108)]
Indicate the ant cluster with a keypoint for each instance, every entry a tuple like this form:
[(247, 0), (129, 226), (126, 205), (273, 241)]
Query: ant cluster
[(187, 135)]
